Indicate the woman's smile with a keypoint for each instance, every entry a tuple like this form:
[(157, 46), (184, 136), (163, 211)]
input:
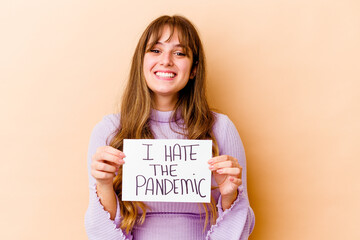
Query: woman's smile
[(165, 75)]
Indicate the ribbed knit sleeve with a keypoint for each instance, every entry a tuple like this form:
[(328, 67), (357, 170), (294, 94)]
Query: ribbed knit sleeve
[(238, 221), (98, 224)]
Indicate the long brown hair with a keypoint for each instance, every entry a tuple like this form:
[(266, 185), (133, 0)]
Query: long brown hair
[(137, 103)]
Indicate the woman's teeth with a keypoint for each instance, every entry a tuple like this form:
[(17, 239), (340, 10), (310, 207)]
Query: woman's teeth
[(165, 74)]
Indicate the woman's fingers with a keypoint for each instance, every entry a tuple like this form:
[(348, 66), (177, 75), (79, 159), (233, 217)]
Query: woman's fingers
[(236, 181), (109, 154), (104, 167), (227, 173), (222, 162), (216, 166), (230, 171), (222, 158), (105, 163), (102, 175), (112, 150), (226, 168)]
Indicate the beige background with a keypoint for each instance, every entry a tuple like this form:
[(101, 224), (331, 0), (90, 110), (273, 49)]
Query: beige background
[(286, 72)]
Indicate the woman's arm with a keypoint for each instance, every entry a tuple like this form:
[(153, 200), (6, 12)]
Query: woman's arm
[(237, 220), (102, 218), (107, 199)]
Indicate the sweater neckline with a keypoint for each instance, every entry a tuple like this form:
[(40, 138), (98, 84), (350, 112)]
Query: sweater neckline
[(164, 116)]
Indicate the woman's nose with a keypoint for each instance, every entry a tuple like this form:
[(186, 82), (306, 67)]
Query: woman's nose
[(166, 59)]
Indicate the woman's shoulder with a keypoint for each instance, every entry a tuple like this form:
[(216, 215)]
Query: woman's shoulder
[(107, 126), (111, 119), (223, 127), (221, 121)]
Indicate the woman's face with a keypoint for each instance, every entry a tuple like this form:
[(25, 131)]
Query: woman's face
[(167, 69)]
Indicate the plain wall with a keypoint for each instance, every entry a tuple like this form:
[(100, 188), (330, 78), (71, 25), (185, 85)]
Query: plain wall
[(286, 73)]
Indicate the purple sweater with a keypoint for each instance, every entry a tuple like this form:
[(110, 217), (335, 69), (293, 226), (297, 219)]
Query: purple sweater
[(171, 220)]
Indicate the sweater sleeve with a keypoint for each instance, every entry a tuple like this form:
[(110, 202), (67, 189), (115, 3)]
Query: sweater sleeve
[(98, 224), (238, 221)]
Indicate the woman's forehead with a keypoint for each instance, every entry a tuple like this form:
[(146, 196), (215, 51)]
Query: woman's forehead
[(167, 33)]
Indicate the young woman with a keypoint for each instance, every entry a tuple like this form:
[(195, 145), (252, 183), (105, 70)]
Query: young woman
[(165, 98)]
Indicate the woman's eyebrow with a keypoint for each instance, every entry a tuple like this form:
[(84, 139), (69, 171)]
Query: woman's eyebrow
[(176, 45)]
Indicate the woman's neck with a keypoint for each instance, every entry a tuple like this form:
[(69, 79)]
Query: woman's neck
[(165, 103)]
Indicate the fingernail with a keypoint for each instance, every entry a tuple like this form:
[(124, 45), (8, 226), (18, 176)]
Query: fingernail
[(219, 171)]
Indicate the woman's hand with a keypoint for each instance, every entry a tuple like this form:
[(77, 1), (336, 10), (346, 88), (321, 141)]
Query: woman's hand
[(105, 163), (227, 174)]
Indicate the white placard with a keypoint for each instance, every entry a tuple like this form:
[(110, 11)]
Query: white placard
[(166, 170)]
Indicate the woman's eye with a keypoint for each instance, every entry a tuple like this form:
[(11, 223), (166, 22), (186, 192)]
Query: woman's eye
[(154, 50), (180, 54)]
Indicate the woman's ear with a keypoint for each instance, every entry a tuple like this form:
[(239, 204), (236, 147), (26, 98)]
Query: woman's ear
[(193, 71)]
